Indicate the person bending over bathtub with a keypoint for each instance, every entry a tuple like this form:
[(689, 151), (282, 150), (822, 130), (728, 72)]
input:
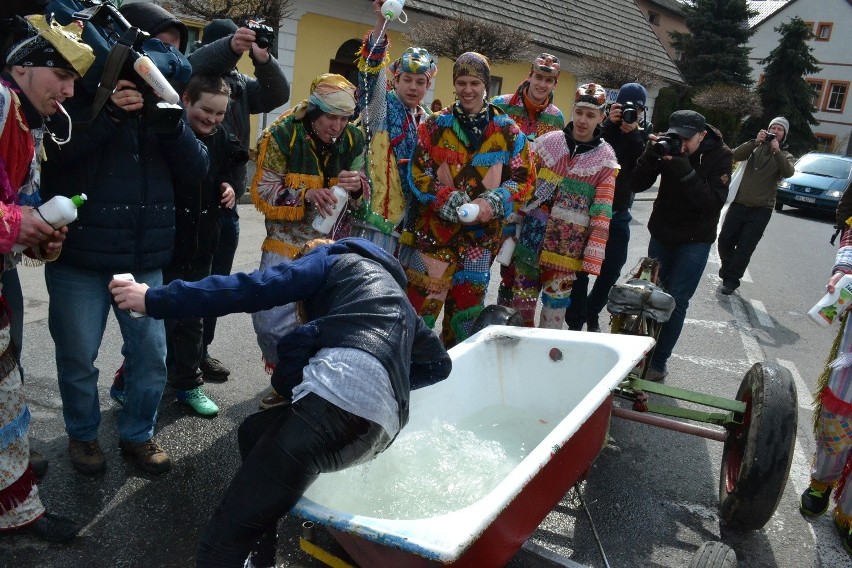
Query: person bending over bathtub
[(348, 370)]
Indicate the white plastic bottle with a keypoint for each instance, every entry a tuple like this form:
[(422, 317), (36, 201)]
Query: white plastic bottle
[(468, 213), (57, 212), (325, 224), (507, 251), (832, 306)]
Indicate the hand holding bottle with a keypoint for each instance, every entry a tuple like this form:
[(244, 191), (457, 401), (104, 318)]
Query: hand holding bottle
[(35, 232)]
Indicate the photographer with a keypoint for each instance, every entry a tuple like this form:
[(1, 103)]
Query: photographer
[(694, 166), (222, 46), (765, 164), (127, 162), (625, 130)]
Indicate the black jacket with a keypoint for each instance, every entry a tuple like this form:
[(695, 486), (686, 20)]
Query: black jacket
[(127, 173), (692, 191), (628, 147), (197, 204), (353, 293)]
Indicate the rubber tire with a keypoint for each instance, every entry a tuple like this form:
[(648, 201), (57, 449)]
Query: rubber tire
[(713, 554), (757, 454), (778, 205)]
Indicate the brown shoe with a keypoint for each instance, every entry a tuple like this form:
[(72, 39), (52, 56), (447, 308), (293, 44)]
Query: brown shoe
[(149, 456), (86, 457)]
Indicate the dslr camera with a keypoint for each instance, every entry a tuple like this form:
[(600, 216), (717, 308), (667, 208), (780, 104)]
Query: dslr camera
[(629, 113), (769, 137), (667, 145), (265, 35)]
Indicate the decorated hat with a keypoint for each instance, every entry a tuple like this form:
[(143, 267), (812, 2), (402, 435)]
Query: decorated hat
[(472, 64), (546, 64), (330, 93), (44, 43), (590, 95), (414, 60)]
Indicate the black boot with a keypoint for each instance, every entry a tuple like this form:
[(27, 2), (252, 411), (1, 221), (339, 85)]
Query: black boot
[(53, 528), (39, 464)]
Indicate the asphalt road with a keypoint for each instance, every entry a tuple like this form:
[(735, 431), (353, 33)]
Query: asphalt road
[(652, 493)]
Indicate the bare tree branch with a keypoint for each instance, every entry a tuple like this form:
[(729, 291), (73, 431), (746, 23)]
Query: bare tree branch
[(454, 36), (614, 70), (271, 11)]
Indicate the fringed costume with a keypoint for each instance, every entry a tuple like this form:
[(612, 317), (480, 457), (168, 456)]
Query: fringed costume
[(565, 230), (19, 500), (390, 129), (291, 161), (832, 463), (534, 121), (460, 158)]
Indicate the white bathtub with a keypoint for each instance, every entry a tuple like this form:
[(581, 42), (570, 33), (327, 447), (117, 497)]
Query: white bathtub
[(561, 377)]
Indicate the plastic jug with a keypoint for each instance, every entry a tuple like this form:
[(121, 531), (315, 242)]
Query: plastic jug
[(324, 225), (57, 212), (832, 306)]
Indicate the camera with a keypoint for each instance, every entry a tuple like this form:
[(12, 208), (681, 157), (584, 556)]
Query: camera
[(265, 35), (667, 145), (769, 137), (629, 113)]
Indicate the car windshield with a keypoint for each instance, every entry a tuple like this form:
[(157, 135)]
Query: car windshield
[(823, 166)]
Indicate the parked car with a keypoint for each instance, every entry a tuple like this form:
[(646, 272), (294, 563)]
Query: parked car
[(818, 183)]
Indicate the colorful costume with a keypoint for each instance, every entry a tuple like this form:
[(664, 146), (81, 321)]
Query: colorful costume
[(533, 120), (292, 161), (19, 501), (44, 44), (390, 128), (832, 463), (566, 230), (455, 162)]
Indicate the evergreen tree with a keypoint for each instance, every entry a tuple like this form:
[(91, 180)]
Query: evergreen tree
[(715, 49), (784, 90)]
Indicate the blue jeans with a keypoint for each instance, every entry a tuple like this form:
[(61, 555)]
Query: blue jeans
[(223, 259), (582, 306), (79, 304), (681, 268)]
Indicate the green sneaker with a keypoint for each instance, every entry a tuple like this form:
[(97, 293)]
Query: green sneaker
[(814, 502), (846, 535), (198, 401)]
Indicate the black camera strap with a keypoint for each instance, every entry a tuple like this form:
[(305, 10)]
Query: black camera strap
[(118, 55)]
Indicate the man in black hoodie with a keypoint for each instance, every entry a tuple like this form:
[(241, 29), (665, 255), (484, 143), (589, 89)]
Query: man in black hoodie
[(693, 188)]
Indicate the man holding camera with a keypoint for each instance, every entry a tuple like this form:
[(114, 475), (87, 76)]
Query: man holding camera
[(222, 46), (624, 130), (694, 166), (765, 164)]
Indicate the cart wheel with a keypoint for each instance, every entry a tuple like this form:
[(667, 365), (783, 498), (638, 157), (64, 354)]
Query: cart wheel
[(496, 315), (714, 554), (757, 454)]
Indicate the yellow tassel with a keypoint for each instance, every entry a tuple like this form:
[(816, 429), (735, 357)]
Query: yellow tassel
[(433, 285), (822, 381), (842, 520), (280, 248), (558, 261)]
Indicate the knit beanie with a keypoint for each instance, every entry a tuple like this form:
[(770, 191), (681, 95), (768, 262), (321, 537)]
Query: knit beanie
[(632, 93), (217, 29), (783, 123), (154, 19)]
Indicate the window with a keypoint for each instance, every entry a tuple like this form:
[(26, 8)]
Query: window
[(835, 98), (654, 18), (823, 32), (825, 142), (193, 36), (817, 85), (495, 87)]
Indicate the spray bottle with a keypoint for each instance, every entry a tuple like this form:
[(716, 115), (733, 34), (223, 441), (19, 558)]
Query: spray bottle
[(392, 10), (833, 305), (56, 212), (468, 213)]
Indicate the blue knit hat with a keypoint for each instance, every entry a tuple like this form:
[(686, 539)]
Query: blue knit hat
[(632, 93)]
